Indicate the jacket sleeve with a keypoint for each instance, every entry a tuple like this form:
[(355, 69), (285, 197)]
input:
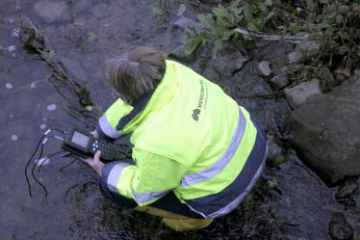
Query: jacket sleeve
[(150, 179), (106, 127)]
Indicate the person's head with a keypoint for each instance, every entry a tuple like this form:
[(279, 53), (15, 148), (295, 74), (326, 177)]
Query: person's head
[(135, 72)]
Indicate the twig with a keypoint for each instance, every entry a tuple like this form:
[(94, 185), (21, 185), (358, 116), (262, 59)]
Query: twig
[(270, 37)]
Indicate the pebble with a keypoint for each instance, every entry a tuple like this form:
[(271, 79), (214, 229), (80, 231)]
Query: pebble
[(181, 11), (33, 85), (51, 107), (346, 190), (11, 49), (42, 126), (9, 86), (11, 115), (280, 81), (263, 69), (295, 57), (15, 33), (14, 137), (307, 45)]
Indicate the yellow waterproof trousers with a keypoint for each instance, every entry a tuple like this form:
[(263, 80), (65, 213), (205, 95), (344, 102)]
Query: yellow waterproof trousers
[(175, 221)]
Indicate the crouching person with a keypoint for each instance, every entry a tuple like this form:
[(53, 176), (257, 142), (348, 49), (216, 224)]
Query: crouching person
[(196, 153)]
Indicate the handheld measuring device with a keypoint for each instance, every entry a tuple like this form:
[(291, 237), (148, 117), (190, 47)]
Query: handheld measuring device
[(83, 144)]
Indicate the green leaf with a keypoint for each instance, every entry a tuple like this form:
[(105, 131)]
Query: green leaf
[(221, 12), (237, 12), (195, 42), (294, 28), (91, 36), (269, 3), (311, 5), (342, 50), (256, 25), (207, 20), (248, 13), (227, 35), (89, 108), (216, 47), (235, 4), (278, 161), (262, 6)]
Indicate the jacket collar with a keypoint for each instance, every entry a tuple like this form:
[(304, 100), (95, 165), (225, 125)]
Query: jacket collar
[(151, 101)]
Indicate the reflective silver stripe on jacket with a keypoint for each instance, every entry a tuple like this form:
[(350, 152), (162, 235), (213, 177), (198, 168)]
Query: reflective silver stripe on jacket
[(220, 164), (232, 205), (106, 127), (145, 197), (114, 176)]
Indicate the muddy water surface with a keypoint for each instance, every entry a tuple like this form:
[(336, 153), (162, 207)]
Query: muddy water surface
[(289, 202)]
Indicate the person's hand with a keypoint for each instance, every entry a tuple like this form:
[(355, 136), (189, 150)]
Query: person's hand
[(95, 134), (95, 163)]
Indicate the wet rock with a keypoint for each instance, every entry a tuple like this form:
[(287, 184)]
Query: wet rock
[(11, 49), (344, 9), (81, 5), (299, 94), (327, 78), (263, 69), (181, 10), (100, 11), (280, 81), (15, 33), (347, 189), (227, 65), (187, 24), (74, 68), (51, 11), (357, 72), (295, 57), (339, 228), (326, 130), (274, 149), (357, 201), (299, 207), (180, 55), (310, 46), (342, 74)]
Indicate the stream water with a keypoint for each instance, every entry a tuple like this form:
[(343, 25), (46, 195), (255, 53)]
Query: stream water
[(289, 202)]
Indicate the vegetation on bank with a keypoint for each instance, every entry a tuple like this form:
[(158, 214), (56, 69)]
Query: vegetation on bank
[(333, 25)]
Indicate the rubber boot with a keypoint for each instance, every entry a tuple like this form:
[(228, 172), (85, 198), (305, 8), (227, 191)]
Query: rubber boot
[(186, 224), (175, 221)]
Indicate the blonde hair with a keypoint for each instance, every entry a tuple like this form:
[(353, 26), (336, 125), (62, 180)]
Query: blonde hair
[(135, 72)]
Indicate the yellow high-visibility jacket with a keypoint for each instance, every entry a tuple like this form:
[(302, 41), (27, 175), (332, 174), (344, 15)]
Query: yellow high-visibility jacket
[(190, 138)]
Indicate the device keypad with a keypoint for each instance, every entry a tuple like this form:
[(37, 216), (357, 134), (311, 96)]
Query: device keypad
[(105, 149)]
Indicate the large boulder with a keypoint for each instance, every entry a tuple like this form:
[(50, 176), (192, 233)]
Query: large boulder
[(299, 94), (326, 132)]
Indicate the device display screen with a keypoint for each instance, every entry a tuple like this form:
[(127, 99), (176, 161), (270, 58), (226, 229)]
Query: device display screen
[(80, 139)]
